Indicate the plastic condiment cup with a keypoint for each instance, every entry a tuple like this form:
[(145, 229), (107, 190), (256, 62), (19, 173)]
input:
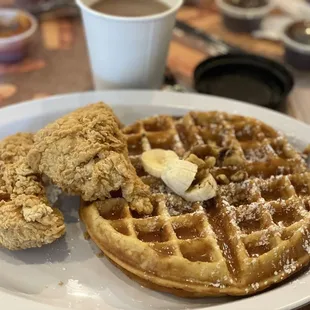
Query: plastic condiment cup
[(128, 52), (14, 48), (240, 19), (297, 52)]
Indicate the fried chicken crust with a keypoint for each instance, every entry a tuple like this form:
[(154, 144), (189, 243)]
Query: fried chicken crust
[(85, 153), (26, 219)]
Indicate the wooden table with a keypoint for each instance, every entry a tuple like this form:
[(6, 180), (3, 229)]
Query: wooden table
[(58, 61)]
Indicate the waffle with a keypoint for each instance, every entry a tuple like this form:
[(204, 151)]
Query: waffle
[(254, 234)]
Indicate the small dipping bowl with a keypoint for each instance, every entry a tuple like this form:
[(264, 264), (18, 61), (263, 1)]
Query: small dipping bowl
[(244, 15), (296, 38), (16, 29)]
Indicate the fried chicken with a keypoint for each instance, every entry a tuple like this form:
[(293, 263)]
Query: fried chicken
[(26, 219), (85, 153)]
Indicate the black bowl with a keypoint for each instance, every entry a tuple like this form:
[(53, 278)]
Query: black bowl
[(245, 77)]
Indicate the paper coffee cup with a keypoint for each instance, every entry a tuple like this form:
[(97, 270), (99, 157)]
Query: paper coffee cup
[(128, 52)]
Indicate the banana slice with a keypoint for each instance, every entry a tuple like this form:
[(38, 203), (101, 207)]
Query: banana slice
[(154, 161), (204, 190), (178, 175)]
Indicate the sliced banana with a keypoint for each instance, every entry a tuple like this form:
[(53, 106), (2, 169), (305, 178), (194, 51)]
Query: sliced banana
[(154, 161), (204, 190), (178, 175)]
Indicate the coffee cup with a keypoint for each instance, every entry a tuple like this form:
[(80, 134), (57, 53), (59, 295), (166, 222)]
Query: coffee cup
[(128, 52)]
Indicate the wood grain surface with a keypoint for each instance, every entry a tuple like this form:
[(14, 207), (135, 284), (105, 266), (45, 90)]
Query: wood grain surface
[(57, 62)]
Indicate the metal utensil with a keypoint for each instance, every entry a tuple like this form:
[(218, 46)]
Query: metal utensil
[(213, 45)]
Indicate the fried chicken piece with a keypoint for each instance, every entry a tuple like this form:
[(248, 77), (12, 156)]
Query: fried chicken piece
[(85, 153), (11, 149), (26, 219)]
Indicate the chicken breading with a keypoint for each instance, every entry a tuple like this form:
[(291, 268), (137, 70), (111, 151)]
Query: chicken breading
[(26, 219), (15, 147), (85, 153)]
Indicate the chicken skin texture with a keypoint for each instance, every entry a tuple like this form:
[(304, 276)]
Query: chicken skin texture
[(26, 219), (85, 153)]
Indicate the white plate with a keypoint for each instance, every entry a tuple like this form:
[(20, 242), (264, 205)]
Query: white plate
[(68, 274)]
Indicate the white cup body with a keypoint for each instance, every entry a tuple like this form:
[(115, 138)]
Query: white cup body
[(128, 52)]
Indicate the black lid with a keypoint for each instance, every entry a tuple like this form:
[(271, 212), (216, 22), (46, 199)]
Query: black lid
[(244, 77)]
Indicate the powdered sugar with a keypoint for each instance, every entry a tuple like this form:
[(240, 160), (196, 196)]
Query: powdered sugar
[(306, 246), (218, 284), (177, 205), (249, 212), (290, 266), (255, 286)]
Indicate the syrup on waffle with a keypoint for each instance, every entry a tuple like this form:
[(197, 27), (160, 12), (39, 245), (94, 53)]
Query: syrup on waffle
[(254, 234)]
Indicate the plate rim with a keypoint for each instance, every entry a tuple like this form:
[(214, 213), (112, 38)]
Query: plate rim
[(245, 105), (82, 99)]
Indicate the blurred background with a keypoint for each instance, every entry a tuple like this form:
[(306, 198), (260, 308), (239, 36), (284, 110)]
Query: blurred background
[(57, 62)]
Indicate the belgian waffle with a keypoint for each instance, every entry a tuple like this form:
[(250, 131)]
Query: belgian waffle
[(254, 234)]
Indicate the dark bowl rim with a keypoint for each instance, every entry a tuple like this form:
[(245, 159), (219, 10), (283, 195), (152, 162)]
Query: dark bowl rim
[(272, 67)]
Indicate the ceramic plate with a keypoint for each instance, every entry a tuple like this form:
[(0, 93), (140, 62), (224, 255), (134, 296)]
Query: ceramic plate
[(68, 273)]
